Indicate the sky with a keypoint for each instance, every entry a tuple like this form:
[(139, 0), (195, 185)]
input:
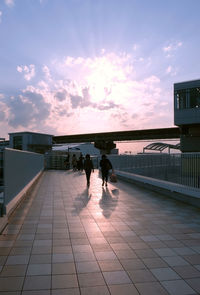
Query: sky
[(84, 66)]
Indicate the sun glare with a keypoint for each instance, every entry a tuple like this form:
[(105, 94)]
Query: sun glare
[(102, 79)]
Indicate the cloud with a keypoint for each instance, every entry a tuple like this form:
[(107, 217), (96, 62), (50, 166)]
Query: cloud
[(2, 111), (123, 118), (107, 105), (76, 95), (85, 101), (135, 115), (75, 101), (10, 3), (21, 113), (171, 48), (135, 47), (171, 71), (63, 113), (148, 114), (61, 95), (46, 71), (27, 109), (29, 71), (0, 16), (111, 88), (2, 116)]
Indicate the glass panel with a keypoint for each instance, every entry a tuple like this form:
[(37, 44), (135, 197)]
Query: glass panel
[(176, 99), (17, 142), (180, 96), (194, 94)]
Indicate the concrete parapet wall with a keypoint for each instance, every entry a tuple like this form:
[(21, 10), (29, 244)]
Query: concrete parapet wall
[(10, 207), (29, 190), (21, 170)]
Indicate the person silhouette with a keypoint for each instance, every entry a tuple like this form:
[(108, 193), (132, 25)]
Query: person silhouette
[(80, 163), (74, 162), (88, 167), (105, 165)]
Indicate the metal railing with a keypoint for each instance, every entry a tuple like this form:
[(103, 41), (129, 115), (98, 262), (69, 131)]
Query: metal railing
[(1, 169), (57, 160), (178, 168), (1, 183), (190, 169)]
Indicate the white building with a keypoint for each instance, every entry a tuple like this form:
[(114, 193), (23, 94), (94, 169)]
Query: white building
[(84, 148), (30, 141)]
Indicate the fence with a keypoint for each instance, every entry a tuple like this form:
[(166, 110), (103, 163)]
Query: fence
[(1, 182), (1, 168), (190, 169), (178, 168), (57, 159)]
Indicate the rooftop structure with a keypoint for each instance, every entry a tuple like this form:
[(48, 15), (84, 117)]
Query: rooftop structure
[(159, 146), (3, 143), (187, 114)]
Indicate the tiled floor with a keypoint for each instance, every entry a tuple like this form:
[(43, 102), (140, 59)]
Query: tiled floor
[(67, 239)]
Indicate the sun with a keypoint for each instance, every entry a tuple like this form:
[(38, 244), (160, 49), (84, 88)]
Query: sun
[(102, 78)]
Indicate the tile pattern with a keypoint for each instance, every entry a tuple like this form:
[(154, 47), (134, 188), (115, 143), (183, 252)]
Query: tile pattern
[(67, 239)]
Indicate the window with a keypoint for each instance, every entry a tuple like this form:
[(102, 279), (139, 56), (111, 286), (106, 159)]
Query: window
[(180, 98), (187, 98), (194, 94), (17, 142)]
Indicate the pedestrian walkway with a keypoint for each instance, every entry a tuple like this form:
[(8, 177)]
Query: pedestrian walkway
[(67, 239)]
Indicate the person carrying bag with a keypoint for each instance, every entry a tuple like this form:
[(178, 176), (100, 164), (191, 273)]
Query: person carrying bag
[(113, 176), (105, 165)]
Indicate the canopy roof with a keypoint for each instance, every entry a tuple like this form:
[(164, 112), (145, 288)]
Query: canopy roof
[(159, 146)]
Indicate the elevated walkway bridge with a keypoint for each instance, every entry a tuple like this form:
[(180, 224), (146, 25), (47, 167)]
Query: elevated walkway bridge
[(160, 133), (65, 238), (105, 140)]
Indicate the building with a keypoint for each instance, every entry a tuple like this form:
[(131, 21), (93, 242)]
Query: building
[(3, 143), (187, 114), (30, 141), (84, 148)]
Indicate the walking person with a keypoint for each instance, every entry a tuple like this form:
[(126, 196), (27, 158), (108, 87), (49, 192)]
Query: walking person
[(67, 162), (105, 165), (88, 167), (74, 162), (80, 163)]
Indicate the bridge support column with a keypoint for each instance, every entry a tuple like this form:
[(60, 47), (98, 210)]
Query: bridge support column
[(104, 146)]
